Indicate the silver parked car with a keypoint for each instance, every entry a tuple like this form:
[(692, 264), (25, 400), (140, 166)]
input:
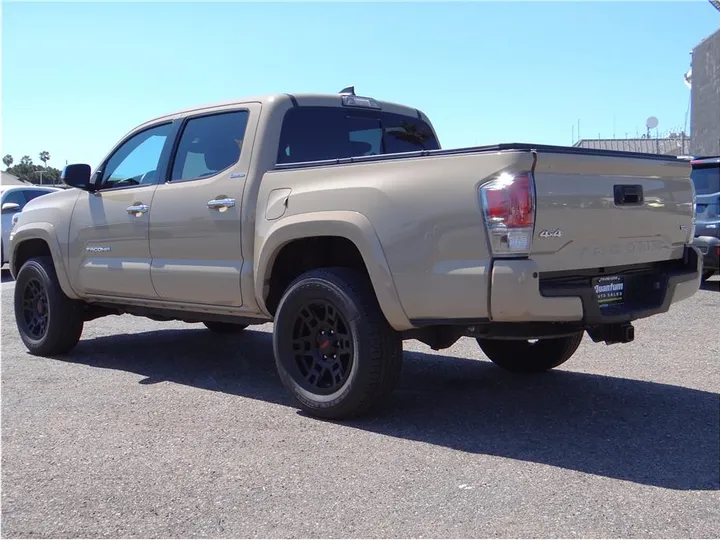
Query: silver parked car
[(14, 199)]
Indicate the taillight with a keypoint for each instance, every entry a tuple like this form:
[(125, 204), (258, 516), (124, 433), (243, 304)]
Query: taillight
[(509, 206)]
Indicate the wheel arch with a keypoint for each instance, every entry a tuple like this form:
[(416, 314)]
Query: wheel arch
[(345, 230), (37, 241)]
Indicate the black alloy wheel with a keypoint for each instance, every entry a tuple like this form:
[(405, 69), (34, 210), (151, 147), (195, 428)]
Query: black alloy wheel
[(335, 352), (35, 309), (323, 347), (49, 322)]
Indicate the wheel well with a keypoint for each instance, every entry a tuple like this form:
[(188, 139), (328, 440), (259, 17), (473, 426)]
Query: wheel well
[(305, 254), (29, 249)]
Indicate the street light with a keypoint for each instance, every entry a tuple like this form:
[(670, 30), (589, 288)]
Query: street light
[(40, 173)]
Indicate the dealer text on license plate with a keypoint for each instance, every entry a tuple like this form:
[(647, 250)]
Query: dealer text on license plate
[(609, 291)]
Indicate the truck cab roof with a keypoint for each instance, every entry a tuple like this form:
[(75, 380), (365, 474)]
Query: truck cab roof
[(301, 99)]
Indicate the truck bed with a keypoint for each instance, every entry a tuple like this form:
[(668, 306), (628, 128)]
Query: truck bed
[(504, 147)]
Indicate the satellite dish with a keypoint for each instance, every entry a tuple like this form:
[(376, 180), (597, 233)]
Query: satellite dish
[(651, 123)]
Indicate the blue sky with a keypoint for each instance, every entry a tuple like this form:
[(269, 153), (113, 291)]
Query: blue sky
[(77, 76)]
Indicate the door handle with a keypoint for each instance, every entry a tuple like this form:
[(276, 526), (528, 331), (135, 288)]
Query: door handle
[(221, 203), (138, 209)]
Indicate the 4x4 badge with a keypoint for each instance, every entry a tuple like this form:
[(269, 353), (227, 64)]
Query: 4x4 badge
[(545, 233)]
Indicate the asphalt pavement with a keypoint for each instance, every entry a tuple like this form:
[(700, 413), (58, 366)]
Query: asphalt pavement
[(165, 430)]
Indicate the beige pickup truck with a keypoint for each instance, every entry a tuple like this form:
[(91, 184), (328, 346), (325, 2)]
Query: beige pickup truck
[(339, 218)]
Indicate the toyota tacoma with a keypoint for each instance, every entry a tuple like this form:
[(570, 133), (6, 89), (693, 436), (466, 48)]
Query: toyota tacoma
[(339, 218)]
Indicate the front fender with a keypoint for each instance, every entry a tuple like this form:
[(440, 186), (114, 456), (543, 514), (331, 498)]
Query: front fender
[(347, 224), (46, 232)]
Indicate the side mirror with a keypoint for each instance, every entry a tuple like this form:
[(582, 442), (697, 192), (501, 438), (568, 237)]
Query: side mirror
[(10, 207), (77, 175)]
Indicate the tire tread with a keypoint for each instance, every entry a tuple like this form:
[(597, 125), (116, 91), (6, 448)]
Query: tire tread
[(384, 353), (64, 331)]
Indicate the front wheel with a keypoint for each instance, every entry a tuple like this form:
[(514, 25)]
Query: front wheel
[(49, 322), (525, 356), (335, 352)]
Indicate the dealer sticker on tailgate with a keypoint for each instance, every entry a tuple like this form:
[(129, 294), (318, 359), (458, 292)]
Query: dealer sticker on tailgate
[(609, 290)]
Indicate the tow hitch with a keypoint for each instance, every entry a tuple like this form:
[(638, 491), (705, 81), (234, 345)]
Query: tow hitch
[(612, 333)]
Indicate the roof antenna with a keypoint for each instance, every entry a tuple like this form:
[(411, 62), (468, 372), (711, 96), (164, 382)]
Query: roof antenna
[(349, 91)]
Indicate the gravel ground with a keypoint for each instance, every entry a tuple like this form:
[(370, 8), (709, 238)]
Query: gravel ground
[(165, 430)]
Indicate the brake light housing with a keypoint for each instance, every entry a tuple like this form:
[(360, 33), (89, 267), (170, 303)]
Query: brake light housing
[(508, 204)]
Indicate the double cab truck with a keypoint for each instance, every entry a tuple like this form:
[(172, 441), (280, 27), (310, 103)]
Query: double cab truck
[(339, 218)]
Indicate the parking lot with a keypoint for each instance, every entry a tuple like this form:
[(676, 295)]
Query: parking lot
[(166, 430)]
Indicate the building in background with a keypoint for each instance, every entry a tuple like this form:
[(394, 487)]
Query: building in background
[(11, 180), (674, 144), (704, 79)]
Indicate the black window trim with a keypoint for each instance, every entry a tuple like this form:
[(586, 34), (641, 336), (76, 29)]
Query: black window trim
[(162, 163), (181, 130)]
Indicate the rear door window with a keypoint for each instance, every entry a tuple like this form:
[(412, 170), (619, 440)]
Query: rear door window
[(209, 144), (321, 133)]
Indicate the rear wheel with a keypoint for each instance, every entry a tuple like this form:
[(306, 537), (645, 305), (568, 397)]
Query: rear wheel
[(707, 274), (334, 350), (525, 356), (49, 322), (224, 328)]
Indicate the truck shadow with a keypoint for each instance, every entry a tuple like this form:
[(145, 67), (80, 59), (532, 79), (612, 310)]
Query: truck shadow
[(6, 275), (643, 432), (711, 285)]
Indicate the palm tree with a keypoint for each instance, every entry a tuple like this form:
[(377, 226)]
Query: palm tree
[(8, 160), (45, 157), (26, 160)]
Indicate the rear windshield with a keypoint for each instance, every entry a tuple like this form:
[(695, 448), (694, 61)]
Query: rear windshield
[(706, 179), (318, 133)]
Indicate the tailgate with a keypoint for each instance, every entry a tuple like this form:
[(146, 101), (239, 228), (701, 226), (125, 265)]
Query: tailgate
[(596, 211)]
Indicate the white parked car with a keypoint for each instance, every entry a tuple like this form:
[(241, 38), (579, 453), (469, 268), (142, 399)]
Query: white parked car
[(14, 199)]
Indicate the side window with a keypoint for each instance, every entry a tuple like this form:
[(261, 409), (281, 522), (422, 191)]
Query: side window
[(16, 196), (209, 144), (136, 161)]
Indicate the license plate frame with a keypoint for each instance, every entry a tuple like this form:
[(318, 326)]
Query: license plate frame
[(610, 291)]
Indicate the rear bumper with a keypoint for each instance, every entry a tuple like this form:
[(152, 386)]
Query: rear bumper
[(709, 247), (519, 293)]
